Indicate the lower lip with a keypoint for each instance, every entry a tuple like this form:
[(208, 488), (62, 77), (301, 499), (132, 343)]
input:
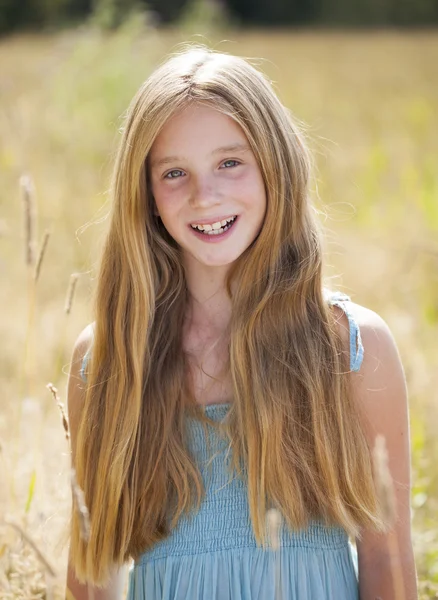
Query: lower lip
[(211, 239)]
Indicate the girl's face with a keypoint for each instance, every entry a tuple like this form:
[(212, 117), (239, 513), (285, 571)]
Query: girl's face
[(203, 171)]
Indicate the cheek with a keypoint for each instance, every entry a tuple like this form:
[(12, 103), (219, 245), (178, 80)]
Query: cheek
[(252, 190), (165, 199)]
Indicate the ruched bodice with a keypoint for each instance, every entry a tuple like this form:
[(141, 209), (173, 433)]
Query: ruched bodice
[(213, 554), (223, 521)]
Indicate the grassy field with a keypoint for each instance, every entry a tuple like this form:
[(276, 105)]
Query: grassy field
[(368, 101)]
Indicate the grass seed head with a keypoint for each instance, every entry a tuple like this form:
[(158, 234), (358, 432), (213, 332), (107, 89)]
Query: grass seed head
[(32, 543), (41, 254), (384, 483), (71, 292), (54, 391), (81, 507), (273, 524), (29, 207)]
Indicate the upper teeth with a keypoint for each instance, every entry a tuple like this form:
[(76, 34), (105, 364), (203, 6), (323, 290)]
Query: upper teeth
[(217, 225)]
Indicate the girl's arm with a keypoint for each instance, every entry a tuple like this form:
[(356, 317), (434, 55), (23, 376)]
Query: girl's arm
[(79, 591), (386, 561), (75, 399)]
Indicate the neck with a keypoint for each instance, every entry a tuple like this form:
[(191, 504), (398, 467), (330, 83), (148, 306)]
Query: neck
[(209, 315), (209, 307)]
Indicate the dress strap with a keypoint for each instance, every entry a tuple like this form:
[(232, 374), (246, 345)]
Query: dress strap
[(356, 348), (87, 355), (84, 365)]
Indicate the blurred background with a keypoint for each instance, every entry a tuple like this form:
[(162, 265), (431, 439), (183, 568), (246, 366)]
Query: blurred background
[(360, 76)]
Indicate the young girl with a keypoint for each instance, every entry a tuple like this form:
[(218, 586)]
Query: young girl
[(223, 378)]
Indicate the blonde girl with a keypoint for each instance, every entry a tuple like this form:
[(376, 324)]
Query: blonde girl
[(221, 379)]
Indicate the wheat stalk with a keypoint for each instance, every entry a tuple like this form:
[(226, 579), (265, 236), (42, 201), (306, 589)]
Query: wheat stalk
[(54, 391), (41, 255), (79, 500), (26, 536), (29, 203), (84, 516), (28, 196), (29, 210), (74, 277), (273, 524), (384, 483), (71, 292)]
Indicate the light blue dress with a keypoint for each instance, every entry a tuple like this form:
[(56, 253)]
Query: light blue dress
[(213, 555)]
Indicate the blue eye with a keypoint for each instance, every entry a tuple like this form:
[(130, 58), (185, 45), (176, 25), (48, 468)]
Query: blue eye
[(231, 161), (170, 173)]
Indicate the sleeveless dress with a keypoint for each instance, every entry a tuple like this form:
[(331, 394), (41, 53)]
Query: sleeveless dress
[(213, 555)]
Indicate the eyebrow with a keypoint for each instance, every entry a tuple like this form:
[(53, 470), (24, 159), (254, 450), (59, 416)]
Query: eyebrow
[(237, 147)]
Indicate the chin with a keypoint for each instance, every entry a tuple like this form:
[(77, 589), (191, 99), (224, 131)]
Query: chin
[(217, 261)]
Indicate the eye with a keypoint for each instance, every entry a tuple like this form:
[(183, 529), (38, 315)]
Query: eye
[(231, 161), (172, 174)]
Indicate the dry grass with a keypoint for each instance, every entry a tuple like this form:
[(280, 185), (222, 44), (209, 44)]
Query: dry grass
[(370, 100)]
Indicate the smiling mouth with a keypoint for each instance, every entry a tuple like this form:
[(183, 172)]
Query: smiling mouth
[(213, 232)]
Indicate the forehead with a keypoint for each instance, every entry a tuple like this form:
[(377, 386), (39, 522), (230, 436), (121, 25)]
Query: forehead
[(196, 128)]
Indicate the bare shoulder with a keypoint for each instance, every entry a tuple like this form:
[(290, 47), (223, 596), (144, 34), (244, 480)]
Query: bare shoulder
[(82, 344), (76, 388), (379, 387)]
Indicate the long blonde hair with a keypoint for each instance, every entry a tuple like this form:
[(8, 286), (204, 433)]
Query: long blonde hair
[(293, 424)]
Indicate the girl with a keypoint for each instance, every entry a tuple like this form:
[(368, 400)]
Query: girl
[(223, 379)]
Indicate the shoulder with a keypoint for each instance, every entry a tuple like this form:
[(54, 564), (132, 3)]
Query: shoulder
[(381, 374), (374, 333), (83, 343), (379, 387), (381, 358), (380, 391)]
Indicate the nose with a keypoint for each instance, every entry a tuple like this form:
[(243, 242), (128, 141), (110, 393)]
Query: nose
[(205, 193)]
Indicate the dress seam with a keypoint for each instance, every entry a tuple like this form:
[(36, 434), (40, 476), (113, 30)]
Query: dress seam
[(311, 547)]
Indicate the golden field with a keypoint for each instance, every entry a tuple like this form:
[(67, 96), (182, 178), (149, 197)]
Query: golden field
[(368, 102)]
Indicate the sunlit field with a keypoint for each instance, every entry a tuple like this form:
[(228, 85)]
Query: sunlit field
[(368, 103)]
